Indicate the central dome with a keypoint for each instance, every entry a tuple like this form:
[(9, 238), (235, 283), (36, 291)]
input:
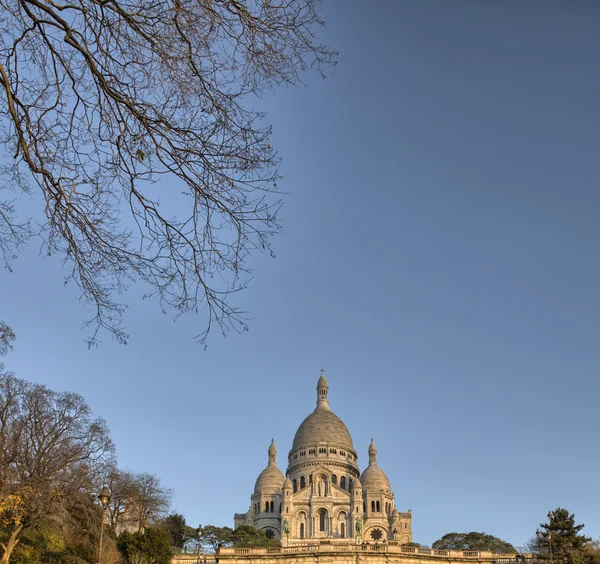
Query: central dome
[(322, 425)]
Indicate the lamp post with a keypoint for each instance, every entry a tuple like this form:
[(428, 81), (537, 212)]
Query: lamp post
[(550, 535), (103, 498), (199, 531), (539, 536)]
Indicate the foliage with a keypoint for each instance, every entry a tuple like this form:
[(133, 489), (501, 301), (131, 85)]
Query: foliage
[(212, 538), (246, 536), (99, 100), (69, 535), (50, 444), (151, 546), (593, 552), (474, 541), (177, 529), (560, 539), (54, 455)]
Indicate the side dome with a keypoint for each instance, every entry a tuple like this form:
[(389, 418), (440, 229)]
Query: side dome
[(271, 479), (322, 425), (373, 479)]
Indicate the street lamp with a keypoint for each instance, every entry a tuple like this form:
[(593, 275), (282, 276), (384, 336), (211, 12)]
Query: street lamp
[(199, 532), (550, 534), (540, 536), (103, 498)]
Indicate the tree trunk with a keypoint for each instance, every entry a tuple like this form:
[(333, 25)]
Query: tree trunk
[(12, 541)]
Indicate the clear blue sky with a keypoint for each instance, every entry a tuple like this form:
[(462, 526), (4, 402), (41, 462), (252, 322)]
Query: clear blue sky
[(440, 258)]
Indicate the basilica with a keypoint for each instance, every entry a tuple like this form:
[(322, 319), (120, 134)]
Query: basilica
[(323, 496)]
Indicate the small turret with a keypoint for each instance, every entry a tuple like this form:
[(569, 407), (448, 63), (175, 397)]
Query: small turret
[(272, 453), (372, 454)]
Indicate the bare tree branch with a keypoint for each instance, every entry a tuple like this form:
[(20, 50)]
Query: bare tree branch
[(101, 99)]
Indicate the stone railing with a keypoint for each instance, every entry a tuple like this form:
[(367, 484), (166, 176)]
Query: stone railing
[(372, 547), (184, 558)]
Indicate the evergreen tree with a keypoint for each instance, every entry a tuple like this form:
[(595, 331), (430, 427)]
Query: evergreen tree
[(559, 540)]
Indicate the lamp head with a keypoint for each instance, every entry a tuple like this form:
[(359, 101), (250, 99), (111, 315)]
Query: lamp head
[(104, 497)]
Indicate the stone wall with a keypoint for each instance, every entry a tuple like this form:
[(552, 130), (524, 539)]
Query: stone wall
[(347, 553)]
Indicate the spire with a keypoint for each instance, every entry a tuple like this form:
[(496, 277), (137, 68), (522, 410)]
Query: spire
[(272, 453), (372, 453), (322, 391)]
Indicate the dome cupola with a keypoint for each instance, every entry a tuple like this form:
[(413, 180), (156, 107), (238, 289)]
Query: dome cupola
[(373, 479), (322, 425), (323, 438)]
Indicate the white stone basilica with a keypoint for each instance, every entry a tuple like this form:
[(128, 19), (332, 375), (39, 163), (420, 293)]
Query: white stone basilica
[(322, 497)]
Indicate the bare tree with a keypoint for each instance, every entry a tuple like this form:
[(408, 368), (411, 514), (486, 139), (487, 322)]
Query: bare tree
[(7, 336), (137, 500), (102, 98), (123, 491), (152, 500), (50, 442)]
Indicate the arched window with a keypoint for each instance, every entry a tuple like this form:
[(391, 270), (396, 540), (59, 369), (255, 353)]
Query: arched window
[(301, 530), (333, 479), (323, 520), (378, 507), (272, 510), (302, 482), (295, 485), (266, 506), (343, 482), (280, 509), (364, 506), (342, 521), (373, 506), (310, 478), (349, 484)]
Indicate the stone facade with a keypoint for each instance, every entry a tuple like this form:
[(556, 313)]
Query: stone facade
[(323, 496)]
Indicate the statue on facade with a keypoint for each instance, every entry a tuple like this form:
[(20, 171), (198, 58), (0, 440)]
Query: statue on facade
[(358, 525), (321, 487), (286, 526)]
